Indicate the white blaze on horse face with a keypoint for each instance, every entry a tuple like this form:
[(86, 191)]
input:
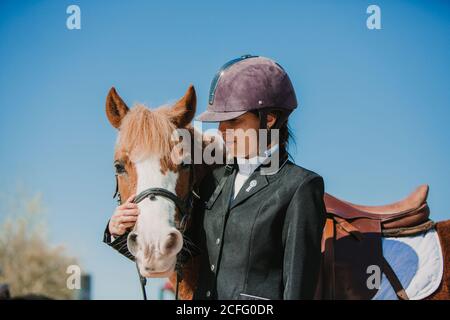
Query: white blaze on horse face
[(156, 218)]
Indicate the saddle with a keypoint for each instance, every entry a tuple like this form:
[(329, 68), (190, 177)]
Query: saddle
[(352, 243)]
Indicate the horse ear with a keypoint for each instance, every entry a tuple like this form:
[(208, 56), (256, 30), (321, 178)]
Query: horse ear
[(183, 111), (116, 109)]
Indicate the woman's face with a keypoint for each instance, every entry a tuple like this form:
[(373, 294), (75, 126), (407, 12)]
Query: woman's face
[(241, 134)]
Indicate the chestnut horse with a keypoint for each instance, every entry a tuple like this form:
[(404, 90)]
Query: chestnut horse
[(143, 159)]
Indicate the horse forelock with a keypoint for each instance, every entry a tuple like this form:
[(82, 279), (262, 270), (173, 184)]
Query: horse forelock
[(144, 132)]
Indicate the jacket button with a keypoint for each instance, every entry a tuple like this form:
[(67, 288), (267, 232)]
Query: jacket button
[(208, 293), (212, 267), (217, 241)]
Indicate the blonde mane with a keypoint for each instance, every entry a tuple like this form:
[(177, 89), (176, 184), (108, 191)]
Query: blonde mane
[(144, 132)]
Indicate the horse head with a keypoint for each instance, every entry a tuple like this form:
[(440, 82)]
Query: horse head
[(143, 159)]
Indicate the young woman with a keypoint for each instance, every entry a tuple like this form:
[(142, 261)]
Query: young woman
[(261, 226)]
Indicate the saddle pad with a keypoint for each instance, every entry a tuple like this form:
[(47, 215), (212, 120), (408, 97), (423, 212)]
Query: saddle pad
[(417, 262)]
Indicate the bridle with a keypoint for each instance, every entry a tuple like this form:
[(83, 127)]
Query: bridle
[(184, 207)]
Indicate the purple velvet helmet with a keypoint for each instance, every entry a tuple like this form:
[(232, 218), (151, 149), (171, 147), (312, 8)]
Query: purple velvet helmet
[(248, 83)]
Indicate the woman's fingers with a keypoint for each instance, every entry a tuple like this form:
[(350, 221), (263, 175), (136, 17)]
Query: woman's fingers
[(123, 219), (126, 205), (125, 215), (130, 205), (126, 225), (120, 225), (130, 198), (129, 212), (115, 229)]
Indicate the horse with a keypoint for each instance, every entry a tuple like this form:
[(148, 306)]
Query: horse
[(143, 159), (144, 162)]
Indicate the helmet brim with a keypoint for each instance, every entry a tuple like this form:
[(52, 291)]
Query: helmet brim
[(213, 116)]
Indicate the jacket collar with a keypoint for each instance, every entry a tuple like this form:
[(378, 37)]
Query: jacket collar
[(248, 166), (258, 180)]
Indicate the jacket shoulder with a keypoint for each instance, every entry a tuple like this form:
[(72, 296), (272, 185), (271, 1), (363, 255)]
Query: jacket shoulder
[(299, 174)]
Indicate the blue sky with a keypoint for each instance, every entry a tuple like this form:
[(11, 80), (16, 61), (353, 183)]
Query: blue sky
[(373, 116)]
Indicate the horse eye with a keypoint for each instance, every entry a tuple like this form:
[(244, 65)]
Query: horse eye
[(120, 168)]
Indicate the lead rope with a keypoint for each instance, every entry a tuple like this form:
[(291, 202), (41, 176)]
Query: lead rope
[(178, 280), (143, 282)]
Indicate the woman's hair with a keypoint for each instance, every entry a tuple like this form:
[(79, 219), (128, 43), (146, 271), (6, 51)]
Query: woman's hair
[(286, 136)]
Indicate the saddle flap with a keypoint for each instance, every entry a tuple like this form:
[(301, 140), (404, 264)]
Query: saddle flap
[(350, 275)]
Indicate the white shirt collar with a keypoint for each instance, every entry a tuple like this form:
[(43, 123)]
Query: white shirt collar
[(247, 166)]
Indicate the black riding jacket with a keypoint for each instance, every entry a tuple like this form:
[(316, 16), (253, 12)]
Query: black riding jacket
[(264, 244)]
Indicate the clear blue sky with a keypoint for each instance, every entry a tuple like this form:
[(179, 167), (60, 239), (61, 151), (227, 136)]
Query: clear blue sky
[(374, 104)]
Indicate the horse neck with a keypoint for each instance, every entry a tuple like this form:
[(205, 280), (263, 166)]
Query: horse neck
[(202, 169)]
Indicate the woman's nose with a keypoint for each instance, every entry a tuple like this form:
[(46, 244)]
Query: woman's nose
[(223, 126)]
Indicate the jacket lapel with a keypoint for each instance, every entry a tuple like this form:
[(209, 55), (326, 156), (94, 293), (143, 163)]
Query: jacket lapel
[(254, 183), (225, 190), (257, 181)]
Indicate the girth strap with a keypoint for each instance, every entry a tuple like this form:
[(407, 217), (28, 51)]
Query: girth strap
[(394, 281), (328, 260)]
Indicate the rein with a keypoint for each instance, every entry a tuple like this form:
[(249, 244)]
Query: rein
[(184, 207)]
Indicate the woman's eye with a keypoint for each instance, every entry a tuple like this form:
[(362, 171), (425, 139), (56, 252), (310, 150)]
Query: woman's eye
[(184, 165)]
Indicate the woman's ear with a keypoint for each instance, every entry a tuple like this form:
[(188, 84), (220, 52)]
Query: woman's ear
[(271, 120)]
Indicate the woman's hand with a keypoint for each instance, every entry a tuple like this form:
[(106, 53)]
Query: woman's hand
[(124, 217)]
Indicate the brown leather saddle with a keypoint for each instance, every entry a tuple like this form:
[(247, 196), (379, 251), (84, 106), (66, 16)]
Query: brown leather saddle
[(352, 242)]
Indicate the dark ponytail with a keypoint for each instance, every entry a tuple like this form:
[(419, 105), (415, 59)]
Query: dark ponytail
[(285, 134)]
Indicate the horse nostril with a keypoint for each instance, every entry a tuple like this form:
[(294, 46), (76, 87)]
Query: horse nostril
[(172, 242), (149, 269), (132, 243)]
